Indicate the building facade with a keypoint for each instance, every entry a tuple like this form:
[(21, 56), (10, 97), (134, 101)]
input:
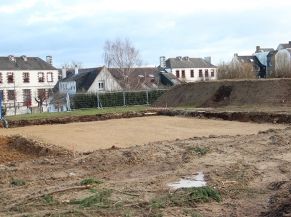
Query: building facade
[(188, 69), (26, 83)]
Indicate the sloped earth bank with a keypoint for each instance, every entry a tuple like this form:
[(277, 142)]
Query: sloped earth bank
[(251, 172), (268, 92)]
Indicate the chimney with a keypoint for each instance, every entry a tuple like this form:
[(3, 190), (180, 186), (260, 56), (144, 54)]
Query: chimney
[(179, 57), (235, 55), (76, 69), (207, 59), (64, 72), (290, 42), (186, 58), (163, 62), (49, 60), (258, 48)]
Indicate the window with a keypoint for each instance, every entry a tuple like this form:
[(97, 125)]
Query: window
[(206, 73), (25, 77), (2, 94), (192, 73), (40, 77), (101, 85), (177, 73), (11, 95), (212, 72), (50, 77), (10, 77), (200, 73), (27, 97), (183, 73)]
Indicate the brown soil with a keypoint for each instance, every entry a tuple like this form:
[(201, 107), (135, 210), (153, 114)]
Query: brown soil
[(84, 137), (274, 92), (8, 154), (252, 173)]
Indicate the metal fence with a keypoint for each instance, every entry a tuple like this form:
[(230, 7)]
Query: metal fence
[(113, 99)]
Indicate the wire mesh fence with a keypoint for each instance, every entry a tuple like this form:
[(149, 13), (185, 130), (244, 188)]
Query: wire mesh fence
[(113, 99)]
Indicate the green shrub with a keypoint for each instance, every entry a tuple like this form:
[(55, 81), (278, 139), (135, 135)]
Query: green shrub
[(200, 150), (17, 182), (99, 199), (91, 181)]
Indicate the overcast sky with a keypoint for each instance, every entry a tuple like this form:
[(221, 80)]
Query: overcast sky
[(77, 29)]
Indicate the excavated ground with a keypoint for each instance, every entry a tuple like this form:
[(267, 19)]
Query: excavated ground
[(251, 172)]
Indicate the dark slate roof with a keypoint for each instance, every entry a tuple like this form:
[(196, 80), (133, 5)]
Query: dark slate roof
[(84, 79), (265, 50), (191, 63), (285, 46), (139, 79), (32, 63)]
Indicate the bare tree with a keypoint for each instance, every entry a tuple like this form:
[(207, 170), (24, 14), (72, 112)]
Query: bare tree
[(41, 98), (122, 55), (236, 71)]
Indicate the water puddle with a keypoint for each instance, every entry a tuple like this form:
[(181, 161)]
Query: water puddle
[(189, 182)]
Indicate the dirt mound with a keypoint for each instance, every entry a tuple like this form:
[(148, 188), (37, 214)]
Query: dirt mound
[(222, 93), (16, 148), (280, 203), (8, 154)]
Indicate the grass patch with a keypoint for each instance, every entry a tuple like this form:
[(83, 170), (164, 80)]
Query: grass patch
[(98, 199), (186, 197), (91, 181), (200, 150), (48, 199), (78, 112), (17, 182)]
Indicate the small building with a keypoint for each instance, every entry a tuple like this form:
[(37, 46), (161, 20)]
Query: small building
[(26, 83), (188, 69)]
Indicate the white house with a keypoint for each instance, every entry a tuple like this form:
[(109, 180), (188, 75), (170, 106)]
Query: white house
[(26, 83), (190, 69), (90, 80)]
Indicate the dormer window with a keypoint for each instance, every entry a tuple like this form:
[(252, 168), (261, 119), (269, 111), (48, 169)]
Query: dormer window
[(10, 78), (12, 58)]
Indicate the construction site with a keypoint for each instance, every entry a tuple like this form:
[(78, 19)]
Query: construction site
[(218, 148)]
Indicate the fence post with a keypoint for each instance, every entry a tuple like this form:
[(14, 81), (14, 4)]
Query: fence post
[(147, 93), (124, 101), (0, 107), (98, 101)]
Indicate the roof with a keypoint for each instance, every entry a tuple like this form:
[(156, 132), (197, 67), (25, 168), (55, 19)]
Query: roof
[(22, 63), (84, 79), (265, 50), (139, 78), (188, 63), (284, 46)]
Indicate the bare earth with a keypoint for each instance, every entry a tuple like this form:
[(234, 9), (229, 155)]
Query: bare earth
[(123, 133)]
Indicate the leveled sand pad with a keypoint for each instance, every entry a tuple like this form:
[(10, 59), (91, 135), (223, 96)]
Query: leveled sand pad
[(135, 131)]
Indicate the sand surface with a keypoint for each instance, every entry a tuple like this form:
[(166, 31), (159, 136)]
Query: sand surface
[(90, 136)]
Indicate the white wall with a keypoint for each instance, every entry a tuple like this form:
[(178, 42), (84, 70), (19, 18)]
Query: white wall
[(283, 61), (33, 84), (110, 82), (196, 77)]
